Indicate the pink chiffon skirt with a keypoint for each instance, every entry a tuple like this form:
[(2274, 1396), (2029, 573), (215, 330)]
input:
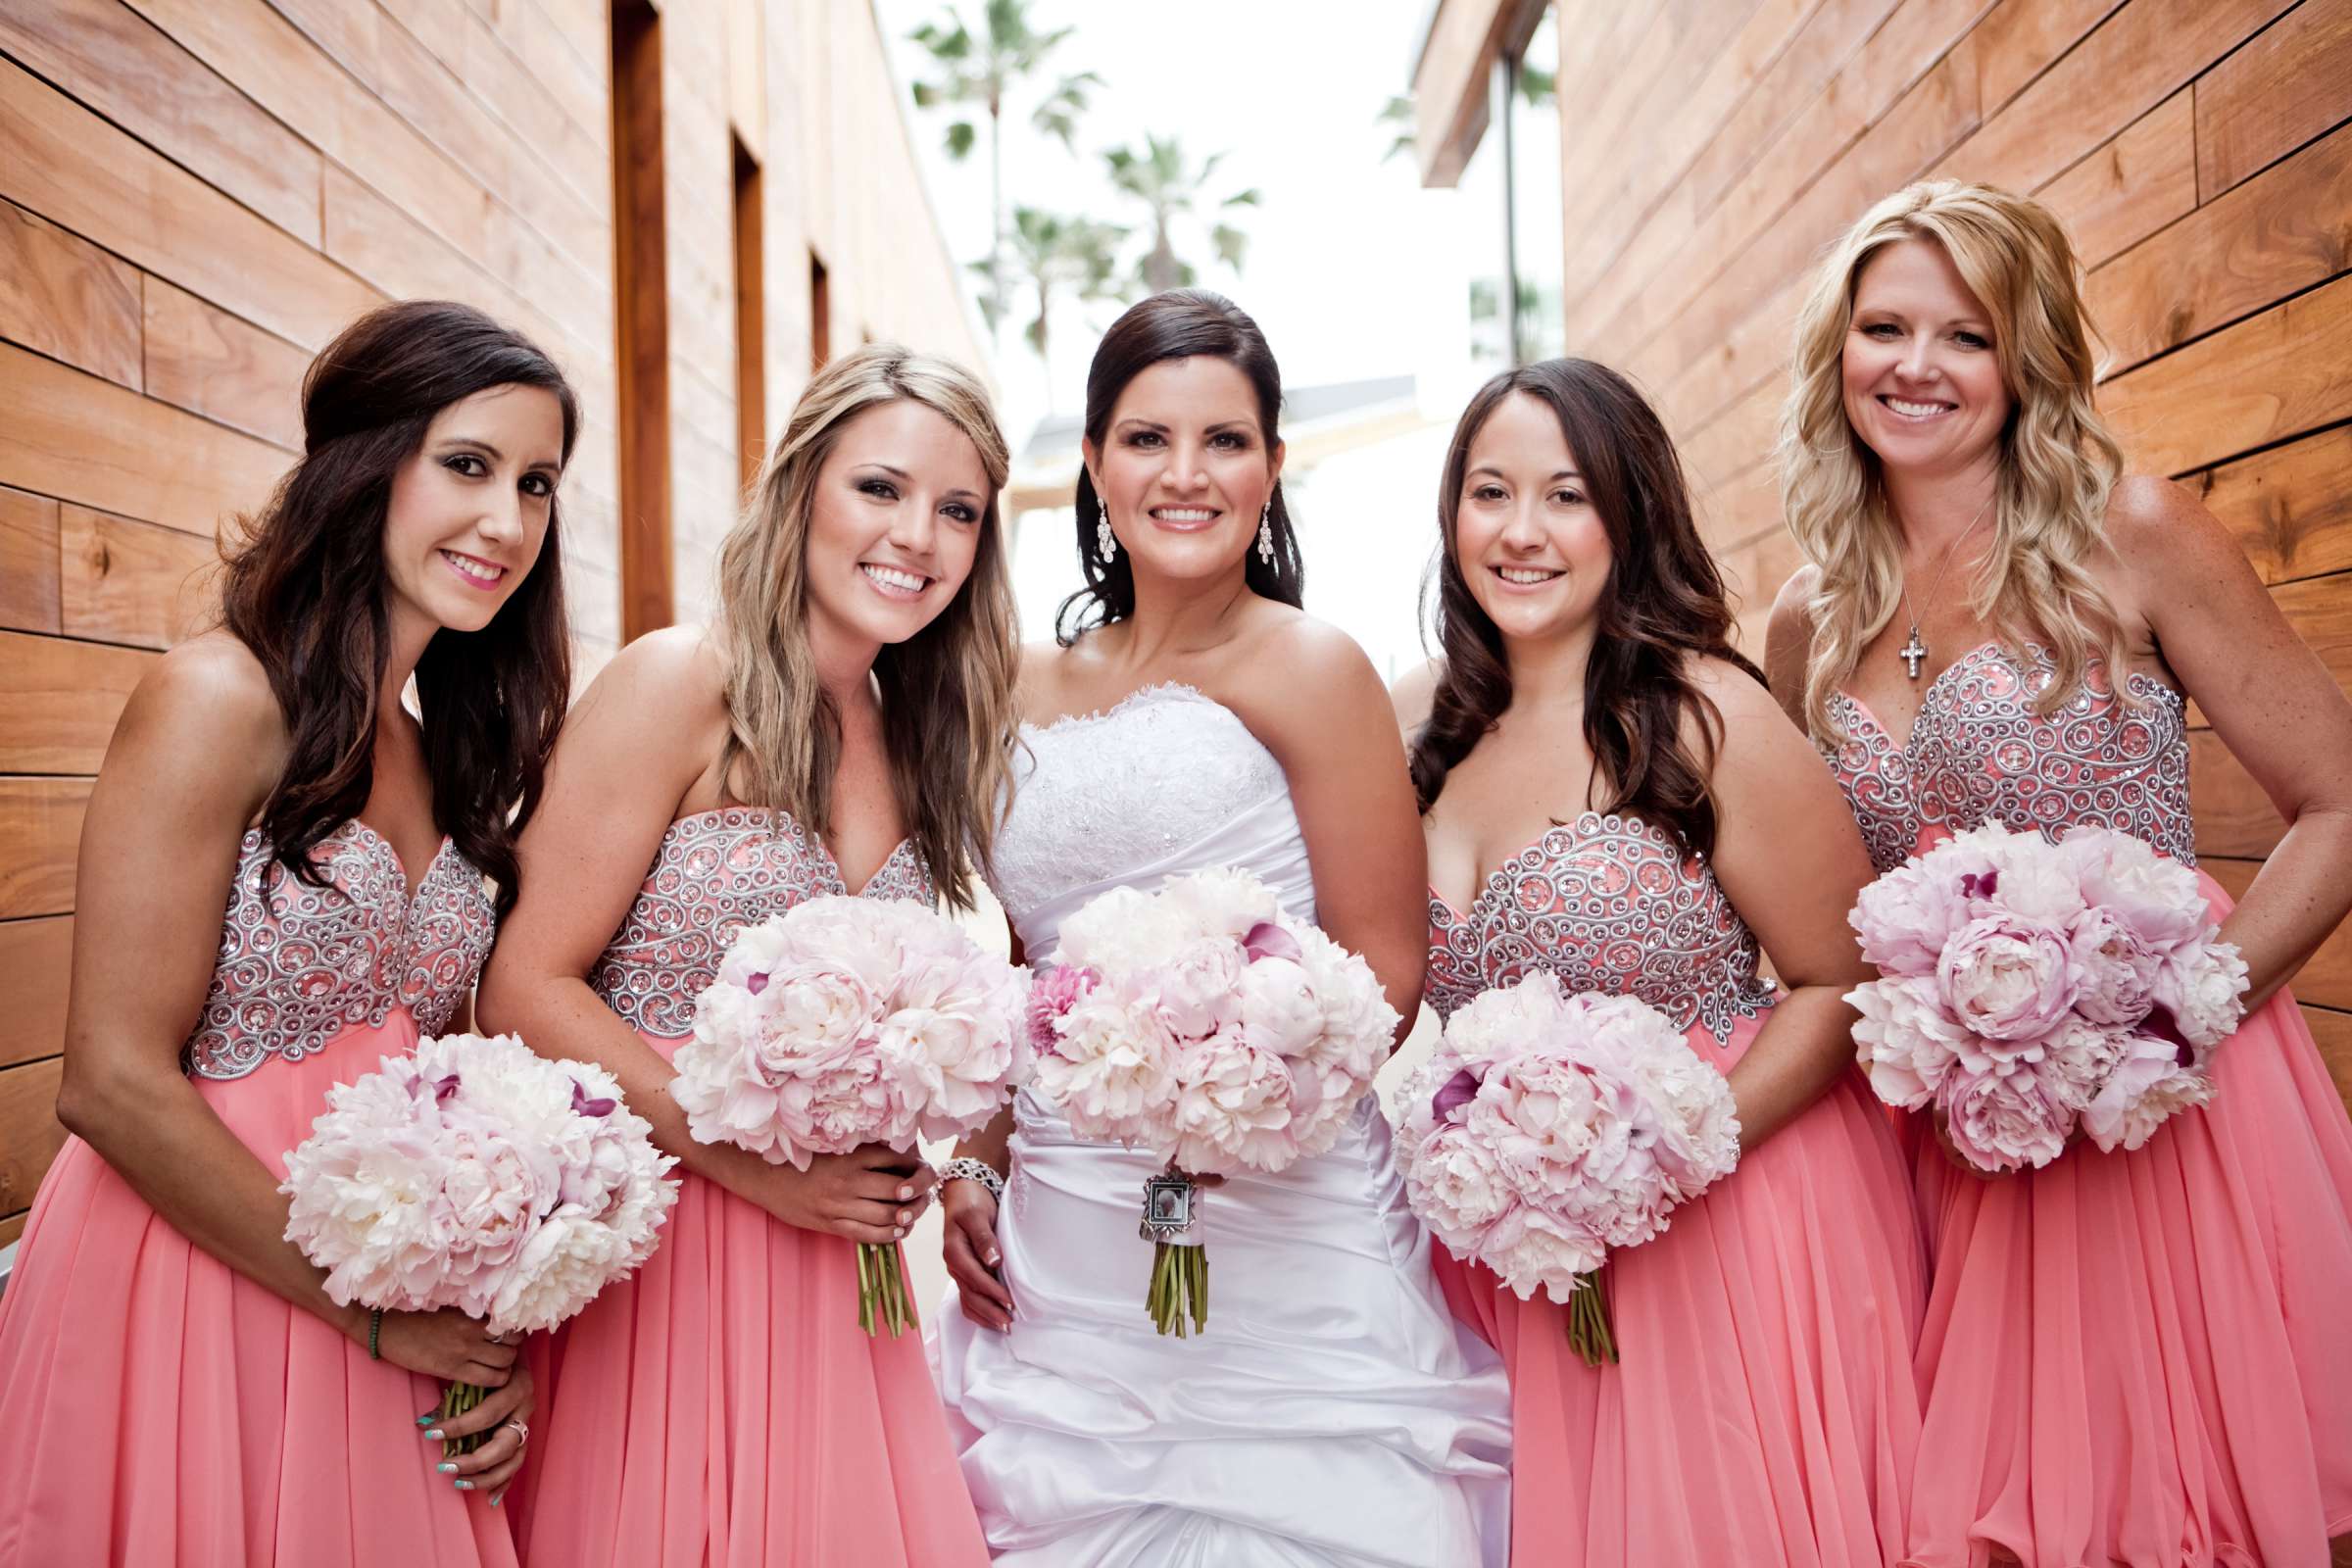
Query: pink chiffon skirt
[(2145, 1358), (160, 1410), (1763, 1410), (722, 1407)]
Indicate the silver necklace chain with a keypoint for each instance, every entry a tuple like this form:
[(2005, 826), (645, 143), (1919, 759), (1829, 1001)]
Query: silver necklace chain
[(1913, 652)]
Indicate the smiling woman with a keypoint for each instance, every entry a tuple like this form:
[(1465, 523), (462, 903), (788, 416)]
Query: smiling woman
[(842, 729)]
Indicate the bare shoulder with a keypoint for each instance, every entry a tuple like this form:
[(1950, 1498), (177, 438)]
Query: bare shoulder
[(1412, 693), (1294, 678), (1788, 636), (202, 726), (1788, 612), (2157, 528), (212, 688), (679, 670), (1294, 657), (1742, 700), (1045, 669)]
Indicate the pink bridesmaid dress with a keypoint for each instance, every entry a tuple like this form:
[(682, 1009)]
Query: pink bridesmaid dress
[(1764, 1410), (721, 1406), (160, 1408), (2132, 1357)]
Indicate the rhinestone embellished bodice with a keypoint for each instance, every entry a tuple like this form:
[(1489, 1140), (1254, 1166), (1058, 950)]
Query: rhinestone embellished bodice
[(300, 964), (1608, 903), (1979, 753), (712, 874)]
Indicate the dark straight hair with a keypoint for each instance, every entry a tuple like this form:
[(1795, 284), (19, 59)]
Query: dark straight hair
[(305, 589), (1662, 606), (1175, 325)]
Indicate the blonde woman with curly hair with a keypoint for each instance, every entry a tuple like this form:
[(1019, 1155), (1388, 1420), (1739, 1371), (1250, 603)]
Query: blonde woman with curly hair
[(837, 730), (2129, 1357)]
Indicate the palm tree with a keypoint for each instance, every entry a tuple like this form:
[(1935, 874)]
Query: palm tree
[(1050, 255), (1161, 178), (981, 68)]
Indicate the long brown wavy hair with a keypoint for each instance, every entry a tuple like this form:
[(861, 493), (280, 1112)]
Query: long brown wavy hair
[(1662, 606), (948, 715), (304, 586)]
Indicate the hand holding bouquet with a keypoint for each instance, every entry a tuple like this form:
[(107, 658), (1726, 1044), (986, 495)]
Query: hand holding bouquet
[(848, 1021), (1202, 1023), (1549, 1128), (2030, 990), (477, 1175)]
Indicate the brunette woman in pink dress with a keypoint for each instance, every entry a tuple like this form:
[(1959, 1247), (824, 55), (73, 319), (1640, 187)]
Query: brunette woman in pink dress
[(834, 731), (2132, 1358), (178, 1387), (1610, 795)]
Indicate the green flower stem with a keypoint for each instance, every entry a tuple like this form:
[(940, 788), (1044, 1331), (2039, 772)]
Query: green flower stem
[(1590, 1332), (456, 1401), (1178, 1299), (882, 1294)]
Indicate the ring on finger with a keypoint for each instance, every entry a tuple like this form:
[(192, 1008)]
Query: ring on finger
[(522, 1431)]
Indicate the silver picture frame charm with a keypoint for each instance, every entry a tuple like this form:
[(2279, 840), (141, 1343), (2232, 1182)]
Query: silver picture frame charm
[(1170, 1203)]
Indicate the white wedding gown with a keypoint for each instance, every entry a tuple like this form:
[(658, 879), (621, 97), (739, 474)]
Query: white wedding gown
[(1334, 1414)]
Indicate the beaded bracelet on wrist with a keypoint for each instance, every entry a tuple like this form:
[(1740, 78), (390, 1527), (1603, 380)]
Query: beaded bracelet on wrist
[(973, 1170)]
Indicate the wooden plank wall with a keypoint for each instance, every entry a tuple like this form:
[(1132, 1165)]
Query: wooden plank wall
[(2200, 152), (195, 195)]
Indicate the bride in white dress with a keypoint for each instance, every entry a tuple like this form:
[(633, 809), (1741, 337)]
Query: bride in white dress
[(1334, 1413)]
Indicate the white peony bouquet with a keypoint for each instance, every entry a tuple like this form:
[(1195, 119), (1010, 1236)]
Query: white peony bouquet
[(1549, 1128), (475, 1174), (1204, 1024), (846, 1021), (2030, 990)]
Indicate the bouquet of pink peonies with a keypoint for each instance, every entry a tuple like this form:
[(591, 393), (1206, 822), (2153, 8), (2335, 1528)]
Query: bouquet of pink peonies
[(1202, 1023), (2031, 990), (1549, 1128), (846, 1021), (476, 1174)]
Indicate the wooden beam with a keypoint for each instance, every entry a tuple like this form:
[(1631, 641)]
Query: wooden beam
[(59, 700), (62, 296), (40, 831), (28, 566), (35, 964)]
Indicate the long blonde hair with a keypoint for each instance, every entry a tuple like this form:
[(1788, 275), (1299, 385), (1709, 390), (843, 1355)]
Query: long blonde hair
[(948, 715), (2058, 463)]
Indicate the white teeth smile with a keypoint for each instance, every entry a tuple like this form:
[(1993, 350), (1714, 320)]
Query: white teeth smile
[(1917, 411), (482, 574), (1525, 576), (1181, 513), (890, 577)]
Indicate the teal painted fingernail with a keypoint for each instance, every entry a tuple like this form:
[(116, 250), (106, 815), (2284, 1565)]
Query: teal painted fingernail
[(465, 1486), (498, 1498), (434, 1436), (427, 1419), (447, 1469)]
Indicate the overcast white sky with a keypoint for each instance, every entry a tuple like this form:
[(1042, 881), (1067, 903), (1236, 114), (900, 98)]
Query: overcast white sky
[(1353, 269)]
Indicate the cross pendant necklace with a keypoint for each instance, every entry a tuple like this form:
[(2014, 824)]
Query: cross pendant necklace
[(1915, 652), (1912, 652)]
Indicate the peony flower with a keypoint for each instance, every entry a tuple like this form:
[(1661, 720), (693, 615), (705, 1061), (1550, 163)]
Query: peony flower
[(2154, 896), (2146, 1087), (1200, 990), (2114, 971), (1905, 917), (2007, 976), (2203, 987), (1904, 1040), (1999, 1121)]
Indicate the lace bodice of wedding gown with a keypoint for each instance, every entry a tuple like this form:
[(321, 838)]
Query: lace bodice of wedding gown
[(1164, 781)]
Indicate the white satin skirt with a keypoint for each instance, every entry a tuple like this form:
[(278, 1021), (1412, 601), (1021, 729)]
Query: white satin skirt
[(1334, 1414)]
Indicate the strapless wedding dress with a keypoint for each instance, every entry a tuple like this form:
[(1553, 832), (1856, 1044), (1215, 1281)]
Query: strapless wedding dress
[(1335, 1413)]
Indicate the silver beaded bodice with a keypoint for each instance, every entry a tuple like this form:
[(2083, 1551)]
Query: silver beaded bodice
[(1979, 753), (300, 964), (714, 873), (1608, 903)]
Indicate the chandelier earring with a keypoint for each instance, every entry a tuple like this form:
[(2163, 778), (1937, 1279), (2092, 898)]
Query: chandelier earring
[(1265, 532), (1106, 544)]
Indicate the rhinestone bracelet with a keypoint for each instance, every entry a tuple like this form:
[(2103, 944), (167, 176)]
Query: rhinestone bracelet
[(973, 1170)]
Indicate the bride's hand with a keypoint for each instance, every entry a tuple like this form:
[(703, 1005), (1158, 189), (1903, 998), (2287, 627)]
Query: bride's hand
[(867, 1195), (968, 1239)]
